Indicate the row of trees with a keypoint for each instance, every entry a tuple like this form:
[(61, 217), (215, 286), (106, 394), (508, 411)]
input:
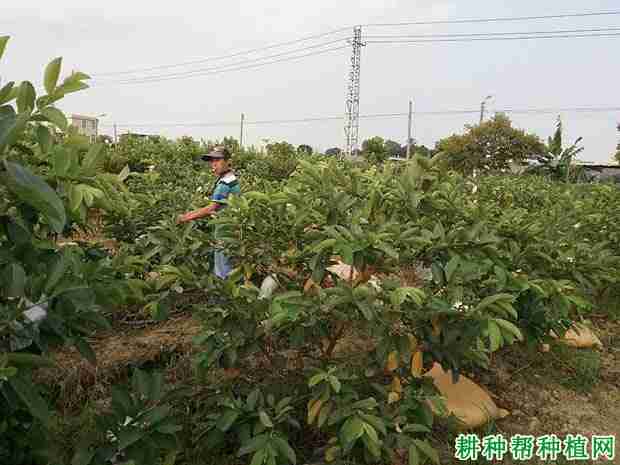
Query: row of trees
[(494, 145)]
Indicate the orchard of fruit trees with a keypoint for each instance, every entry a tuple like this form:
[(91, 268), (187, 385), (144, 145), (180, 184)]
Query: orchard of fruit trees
[(444, 268)]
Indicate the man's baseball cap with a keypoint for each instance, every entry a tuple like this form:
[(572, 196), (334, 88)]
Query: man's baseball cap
[(217, 153)]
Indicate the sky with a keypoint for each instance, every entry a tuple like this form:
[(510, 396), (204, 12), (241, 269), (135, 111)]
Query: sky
[(115, 36)]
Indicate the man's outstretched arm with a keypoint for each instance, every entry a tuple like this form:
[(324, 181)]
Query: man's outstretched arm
[(197, 214)]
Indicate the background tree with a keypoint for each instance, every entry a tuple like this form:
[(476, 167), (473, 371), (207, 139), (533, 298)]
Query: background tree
[(560, 159), (231, 144), (393, 148), (280, 149), (492, 146), (333, 152), (374, 150), (304, 149)]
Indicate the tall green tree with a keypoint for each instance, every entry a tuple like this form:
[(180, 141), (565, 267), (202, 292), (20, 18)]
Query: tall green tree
[(280, 149), (560, 160), (392, 148), (304, 149), (491, 146), (374, 150)]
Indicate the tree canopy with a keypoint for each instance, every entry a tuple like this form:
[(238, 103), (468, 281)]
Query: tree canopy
[(491, 146)]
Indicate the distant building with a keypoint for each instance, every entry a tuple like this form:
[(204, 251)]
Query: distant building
[(86, 125), (605, 173), (133, 135)]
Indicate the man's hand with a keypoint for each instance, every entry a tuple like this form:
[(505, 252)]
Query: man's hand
[(196, 214), (182, 219)]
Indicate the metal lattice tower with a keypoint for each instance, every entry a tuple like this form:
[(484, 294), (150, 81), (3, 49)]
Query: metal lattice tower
[(351, 123)]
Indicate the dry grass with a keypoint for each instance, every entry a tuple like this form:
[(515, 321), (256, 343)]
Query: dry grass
[(77, 380)]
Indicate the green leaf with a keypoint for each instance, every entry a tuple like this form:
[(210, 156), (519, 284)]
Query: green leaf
[(76, 195), (257, 442), (93, 160), (168, 429), (35, 192), (347, 253), (171, 458), (44, 137), (490, 300), (388, 250), (414, 456), (11, 125), (27, 392), (352, 429), (451, 267), (83, 456), (15, 279), (316, 379), (157, 414), (225, 421), (121, 402), (259, 457), (25, 97), (427, 450), (85, 350), (141, 382), (62, 161), (327, 243), (252, 399), (69, 87), (73, 83), (438, 274), (509, 327), (28, 360), (129, 436), (376, 422), (284, 449), (6, 92), (324, 414), (52, 71), (335, 383), (3, 41), (371, 433), (416, 428), (264, 419), (495, 336), (156, 386), (55, 116), (365, 404)]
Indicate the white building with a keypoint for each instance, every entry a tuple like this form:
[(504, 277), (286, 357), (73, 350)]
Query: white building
[(86, 125)]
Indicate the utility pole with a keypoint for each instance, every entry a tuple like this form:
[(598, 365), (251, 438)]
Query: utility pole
[(409, 129), (115, 140), (351, 122), (241, 132), (483, 106)]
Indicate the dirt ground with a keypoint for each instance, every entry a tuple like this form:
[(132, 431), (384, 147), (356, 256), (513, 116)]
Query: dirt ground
[(543, 391), (546, 394)]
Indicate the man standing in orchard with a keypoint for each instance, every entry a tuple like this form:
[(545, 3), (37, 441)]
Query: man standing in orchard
[(226, 184)]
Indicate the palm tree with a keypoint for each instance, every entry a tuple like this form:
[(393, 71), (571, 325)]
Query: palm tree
[(559, 160)]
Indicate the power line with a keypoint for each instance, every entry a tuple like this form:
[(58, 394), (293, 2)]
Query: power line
[(222, 57), (495, 20), (223, 67), (339, 30), (490, 34), (484, 39), (220, 70), (610, 109)]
